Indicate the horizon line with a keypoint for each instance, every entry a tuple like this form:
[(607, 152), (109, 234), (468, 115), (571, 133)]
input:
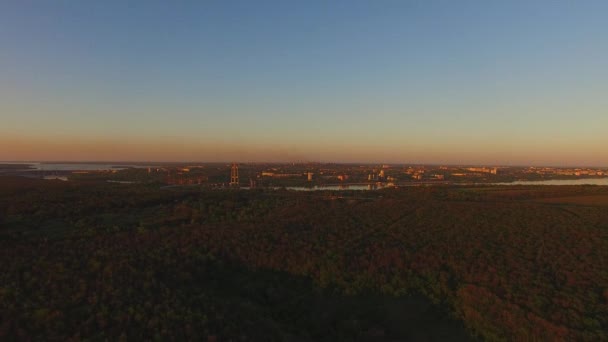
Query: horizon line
[(286, 162)]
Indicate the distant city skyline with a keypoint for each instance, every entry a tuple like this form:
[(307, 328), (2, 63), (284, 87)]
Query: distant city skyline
[(420, 82)]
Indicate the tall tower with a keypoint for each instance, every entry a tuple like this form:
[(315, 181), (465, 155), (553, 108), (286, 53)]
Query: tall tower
[(234, 175)]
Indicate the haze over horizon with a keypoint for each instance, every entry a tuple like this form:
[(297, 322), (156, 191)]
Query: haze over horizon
[(468, 82)]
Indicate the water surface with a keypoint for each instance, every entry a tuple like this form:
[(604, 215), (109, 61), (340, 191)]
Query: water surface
[(585, 181)]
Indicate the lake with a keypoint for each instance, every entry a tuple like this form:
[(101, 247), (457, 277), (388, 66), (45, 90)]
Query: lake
[(357, 187), (586, 181), (81, 166)]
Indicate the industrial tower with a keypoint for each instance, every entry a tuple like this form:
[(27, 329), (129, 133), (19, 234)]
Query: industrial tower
[(234, 175)]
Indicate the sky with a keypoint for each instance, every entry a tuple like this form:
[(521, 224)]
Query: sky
[(452, 82)]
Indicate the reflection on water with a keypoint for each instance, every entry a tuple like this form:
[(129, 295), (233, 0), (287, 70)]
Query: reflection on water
[(337, 187), (63, 178), (81, 166), (588, 181)]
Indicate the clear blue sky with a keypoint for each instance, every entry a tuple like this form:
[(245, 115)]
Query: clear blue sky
[(499, 82)]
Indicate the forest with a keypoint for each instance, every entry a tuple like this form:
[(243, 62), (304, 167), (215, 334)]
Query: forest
[(90, 260)]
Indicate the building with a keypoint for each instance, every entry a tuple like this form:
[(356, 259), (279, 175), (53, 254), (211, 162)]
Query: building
[(342, 177), (234, 175)]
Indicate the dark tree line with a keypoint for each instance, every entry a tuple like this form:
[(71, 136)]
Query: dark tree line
[(90, 260)]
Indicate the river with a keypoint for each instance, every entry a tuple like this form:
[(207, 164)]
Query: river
[(585, 181)]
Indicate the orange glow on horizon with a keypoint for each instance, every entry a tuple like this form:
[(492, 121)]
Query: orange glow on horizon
[(176, 150)]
